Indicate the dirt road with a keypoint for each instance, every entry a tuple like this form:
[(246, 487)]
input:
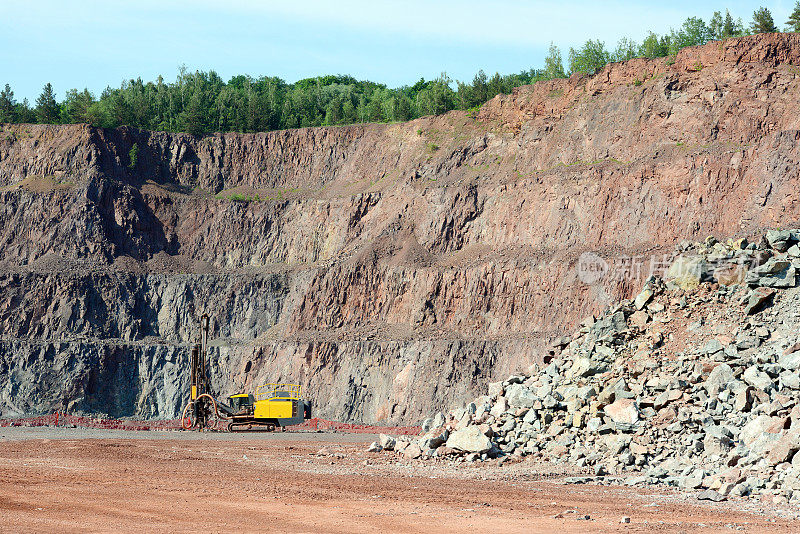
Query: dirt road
[(62, 480)]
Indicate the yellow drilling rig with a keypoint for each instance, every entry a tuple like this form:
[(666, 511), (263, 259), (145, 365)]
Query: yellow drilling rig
[(271, 406)]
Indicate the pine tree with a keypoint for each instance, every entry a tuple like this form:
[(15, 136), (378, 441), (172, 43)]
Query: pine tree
[(76, 106), (193, 117), (762, 21), (480, 91), (7, 105), (24, 113), (47, 109), (729, 26), (495, 86), (375, 109), (723, 28), (793, 24), (464, 95)]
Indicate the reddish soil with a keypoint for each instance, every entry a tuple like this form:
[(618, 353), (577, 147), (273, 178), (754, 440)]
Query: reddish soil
[(173, 482)]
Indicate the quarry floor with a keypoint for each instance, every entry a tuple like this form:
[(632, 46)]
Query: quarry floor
[(81, 480)]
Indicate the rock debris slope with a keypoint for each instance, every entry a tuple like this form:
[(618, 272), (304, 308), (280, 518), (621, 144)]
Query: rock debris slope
[(391, 269), (693, 383)]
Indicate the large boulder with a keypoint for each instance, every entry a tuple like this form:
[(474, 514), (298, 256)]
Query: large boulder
[(585, 367), (520, 396), (753, 430), (387, 442), (780, 240), (623, 412), (499, 407), (782, 279), (790, 362), (495, 389), (412, 451), (792, 479), (438, 420), (761, 434), (758, 299), (469, 439), (776, 272), (609, 326), (721, 376), (434, 438), (717, 441), (643, 298), (758, 379), (427, 424), (686, 272), (639, 319), (730, 274), (785, 448)]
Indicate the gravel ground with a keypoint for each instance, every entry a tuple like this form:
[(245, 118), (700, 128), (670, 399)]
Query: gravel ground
[(44, 433), (72, 480)]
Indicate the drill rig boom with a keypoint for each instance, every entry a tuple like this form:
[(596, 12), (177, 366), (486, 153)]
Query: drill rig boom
[(272, 405)]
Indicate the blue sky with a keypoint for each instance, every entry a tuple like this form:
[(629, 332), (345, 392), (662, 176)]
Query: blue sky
[(89, 43)]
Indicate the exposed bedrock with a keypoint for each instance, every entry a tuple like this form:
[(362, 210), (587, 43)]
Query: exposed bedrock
[(391, 269)]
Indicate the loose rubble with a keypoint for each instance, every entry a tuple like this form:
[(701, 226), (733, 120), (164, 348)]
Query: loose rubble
[(693, 383)]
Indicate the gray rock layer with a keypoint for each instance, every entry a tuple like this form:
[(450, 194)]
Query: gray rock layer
[(390, 269)]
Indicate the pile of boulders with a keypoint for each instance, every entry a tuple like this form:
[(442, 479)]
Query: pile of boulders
[(771, 263), (720, 415)]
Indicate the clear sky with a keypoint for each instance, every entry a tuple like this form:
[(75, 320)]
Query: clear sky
[(91, 43)]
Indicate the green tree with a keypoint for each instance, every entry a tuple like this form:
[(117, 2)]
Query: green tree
[(333, 113), (495, 86), (349, 113), (374, 109), (95, 115), (731, 28), (441, 97), (402, 108), (480, 89), (7, 105), (465, 96), (762, 21), (626, 49), (793, 24), (715, 25), (76, 107), (47, 109), (553, 65), (693, 32), (24, 113), (588, 59), (654, 46), (114, 109)]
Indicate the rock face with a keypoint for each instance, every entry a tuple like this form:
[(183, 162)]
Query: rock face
[(389, 269)]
